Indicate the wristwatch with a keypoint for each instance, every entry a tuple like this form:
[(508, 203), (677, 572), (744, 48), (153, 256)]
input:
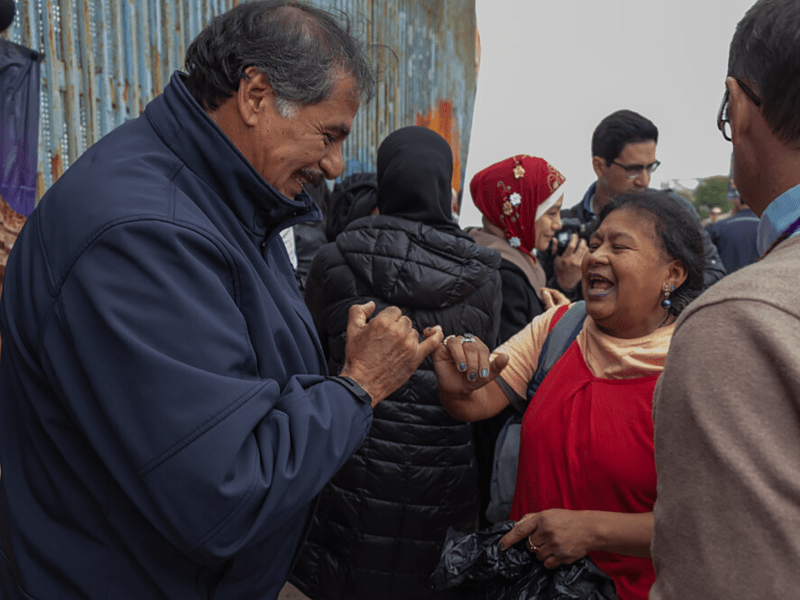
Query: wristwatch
[(355, 389)]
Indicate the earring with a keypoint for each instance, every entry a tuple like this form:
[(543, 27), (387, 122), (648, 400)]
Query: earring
[(666, 303)]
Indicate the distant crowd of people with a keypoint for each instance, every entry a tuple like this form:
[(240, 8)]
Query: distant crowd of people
[(219, 374)]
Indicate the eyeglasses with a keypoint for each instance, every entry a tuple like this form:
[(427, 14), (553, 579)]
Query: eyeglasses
[(723, 121), (632, 171)]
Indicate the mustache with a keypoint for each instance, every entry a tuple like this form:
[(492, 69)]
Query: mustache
[(311, 176)]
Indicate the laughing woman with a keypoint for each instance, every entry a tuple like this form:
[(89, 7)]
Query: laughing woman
[(586, 482)]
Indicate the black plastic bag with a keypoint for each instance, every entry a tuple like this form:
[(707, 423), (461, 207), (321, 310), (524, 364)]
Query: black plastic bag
[(475, 563)]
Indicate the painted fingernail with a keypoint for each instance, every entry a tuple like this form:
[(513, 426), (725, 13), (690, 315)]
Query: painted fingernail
[(484, 372), (462, 367), (473, 376)]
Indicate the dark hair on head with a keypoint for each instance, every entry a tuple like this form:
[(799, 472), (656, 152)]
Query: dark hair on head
[(679, 235), (619, 129), (299, 48), (765, 53)]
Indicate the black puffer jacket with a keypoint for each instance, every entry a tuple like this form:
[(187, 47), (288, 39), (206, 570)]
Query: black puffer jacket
[(382, 520)]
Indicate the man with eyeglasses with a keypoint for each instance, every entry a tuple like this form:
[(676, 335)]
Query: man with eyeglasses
[(727, 438), (623, 158)]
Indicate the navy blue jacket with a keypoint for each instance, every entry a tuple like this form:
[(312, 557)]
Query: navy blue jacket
[(165, 421), (736, 239)]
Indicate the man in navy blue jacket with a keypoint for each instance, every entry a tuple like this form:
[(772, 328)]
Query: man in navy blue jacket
[(166, 418), (736, 237)]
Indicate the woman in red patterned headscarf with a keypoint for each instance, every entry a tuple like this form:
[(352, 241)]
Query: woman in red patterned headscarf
[(520, 199)]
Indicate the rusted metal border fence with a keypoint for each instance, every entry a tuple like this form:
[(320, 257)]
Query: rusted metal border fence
[(105, 59)]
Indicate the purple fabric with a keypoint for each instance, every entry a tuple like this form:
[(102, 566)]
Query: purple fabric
[(19, 135)]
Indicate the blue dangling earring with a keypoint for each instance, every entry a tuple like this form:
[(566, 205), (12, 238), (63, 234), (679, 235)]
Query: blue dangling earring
[(666, 303)]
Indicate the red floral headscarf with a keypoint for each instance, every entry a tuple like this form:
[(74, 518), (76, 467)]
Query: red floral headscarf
[(513, 193)]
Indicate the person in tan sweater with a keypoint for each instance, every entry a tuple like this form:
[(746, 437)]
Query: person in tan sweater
[(727, 406)]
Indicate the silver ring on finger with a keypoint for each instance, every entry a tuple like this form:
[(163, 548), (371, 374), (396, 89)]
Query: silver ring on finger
[(444, 341), (467, 339)]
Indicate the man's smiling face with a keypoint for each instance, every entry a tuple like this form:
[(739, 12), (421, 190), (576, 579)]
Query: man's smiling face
[(306, 145)]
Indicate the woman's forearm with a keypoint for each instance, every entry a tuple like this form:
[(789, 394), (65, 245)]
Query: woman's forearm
[(480, 404), (629, 534)]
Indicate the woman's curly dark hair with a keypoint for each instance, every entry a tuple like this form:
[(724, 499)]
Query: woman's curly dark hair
[(679, 233)]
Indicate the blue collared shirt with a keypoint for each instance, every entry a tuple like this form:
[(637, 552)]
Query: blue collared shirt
[(781, 212)]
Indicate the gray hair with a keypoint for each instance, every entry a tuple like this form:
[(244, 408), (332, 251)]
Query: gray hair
[(299, 48)]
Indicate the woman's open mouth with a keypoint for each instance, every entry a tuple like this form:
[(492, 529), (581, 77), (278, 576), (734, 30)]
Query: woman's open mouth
[(598, 286)]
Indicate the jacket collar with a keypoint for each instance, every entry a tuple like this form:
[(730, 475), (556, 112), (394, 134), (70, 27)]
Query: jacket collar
[(210, 155), (586, 203)]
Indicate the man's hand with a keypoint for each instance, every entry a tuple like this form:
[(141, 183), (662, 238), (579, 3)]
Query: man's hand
[(384, 352), (567, 267)]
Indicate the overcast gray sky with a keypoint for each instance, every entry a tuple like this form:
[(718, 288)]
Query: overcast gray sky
[(551, 70)]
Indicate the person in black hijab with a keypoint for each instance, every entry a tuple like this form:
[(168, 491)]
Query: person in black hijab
[(414, 179), (382, 521)]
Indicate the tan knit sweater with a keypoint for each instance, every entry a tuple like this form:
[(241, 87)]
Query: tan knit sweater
[(727, 440)]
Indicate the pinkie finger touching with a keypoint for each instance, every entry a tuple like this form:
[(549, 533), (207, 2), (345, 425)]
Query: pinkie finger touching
[(359, 313), (433, 337)]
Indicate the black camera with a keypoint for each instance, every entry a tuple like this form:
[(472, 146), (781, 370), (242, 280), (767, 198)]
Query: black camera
[(570, 225)]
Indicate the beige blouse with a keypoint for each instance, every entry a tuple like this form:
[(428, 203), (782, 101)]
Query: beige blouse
[(606, 356)]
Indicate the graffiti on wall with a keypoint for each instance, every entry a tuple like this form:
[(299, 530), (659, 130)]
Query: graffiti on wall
[(441, 121), (105, 59)]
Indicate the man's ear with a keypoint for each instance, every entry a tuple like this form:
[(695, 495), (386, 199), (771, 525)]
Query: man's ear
[(599, 166), (741, 110), (254, 96)]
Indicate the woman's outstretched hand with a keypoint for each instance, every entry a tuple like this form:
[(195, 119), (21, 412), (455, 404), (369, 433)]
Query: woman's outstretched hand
[(464, 368), (463, 365)]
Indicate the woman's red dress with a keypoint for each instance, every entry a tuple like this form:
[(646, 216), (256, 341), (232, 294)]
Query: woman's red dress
[(587, 444)]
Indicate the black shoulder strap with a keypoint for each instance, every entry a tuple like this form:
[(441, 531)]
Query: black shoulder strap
[(556, 343)]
